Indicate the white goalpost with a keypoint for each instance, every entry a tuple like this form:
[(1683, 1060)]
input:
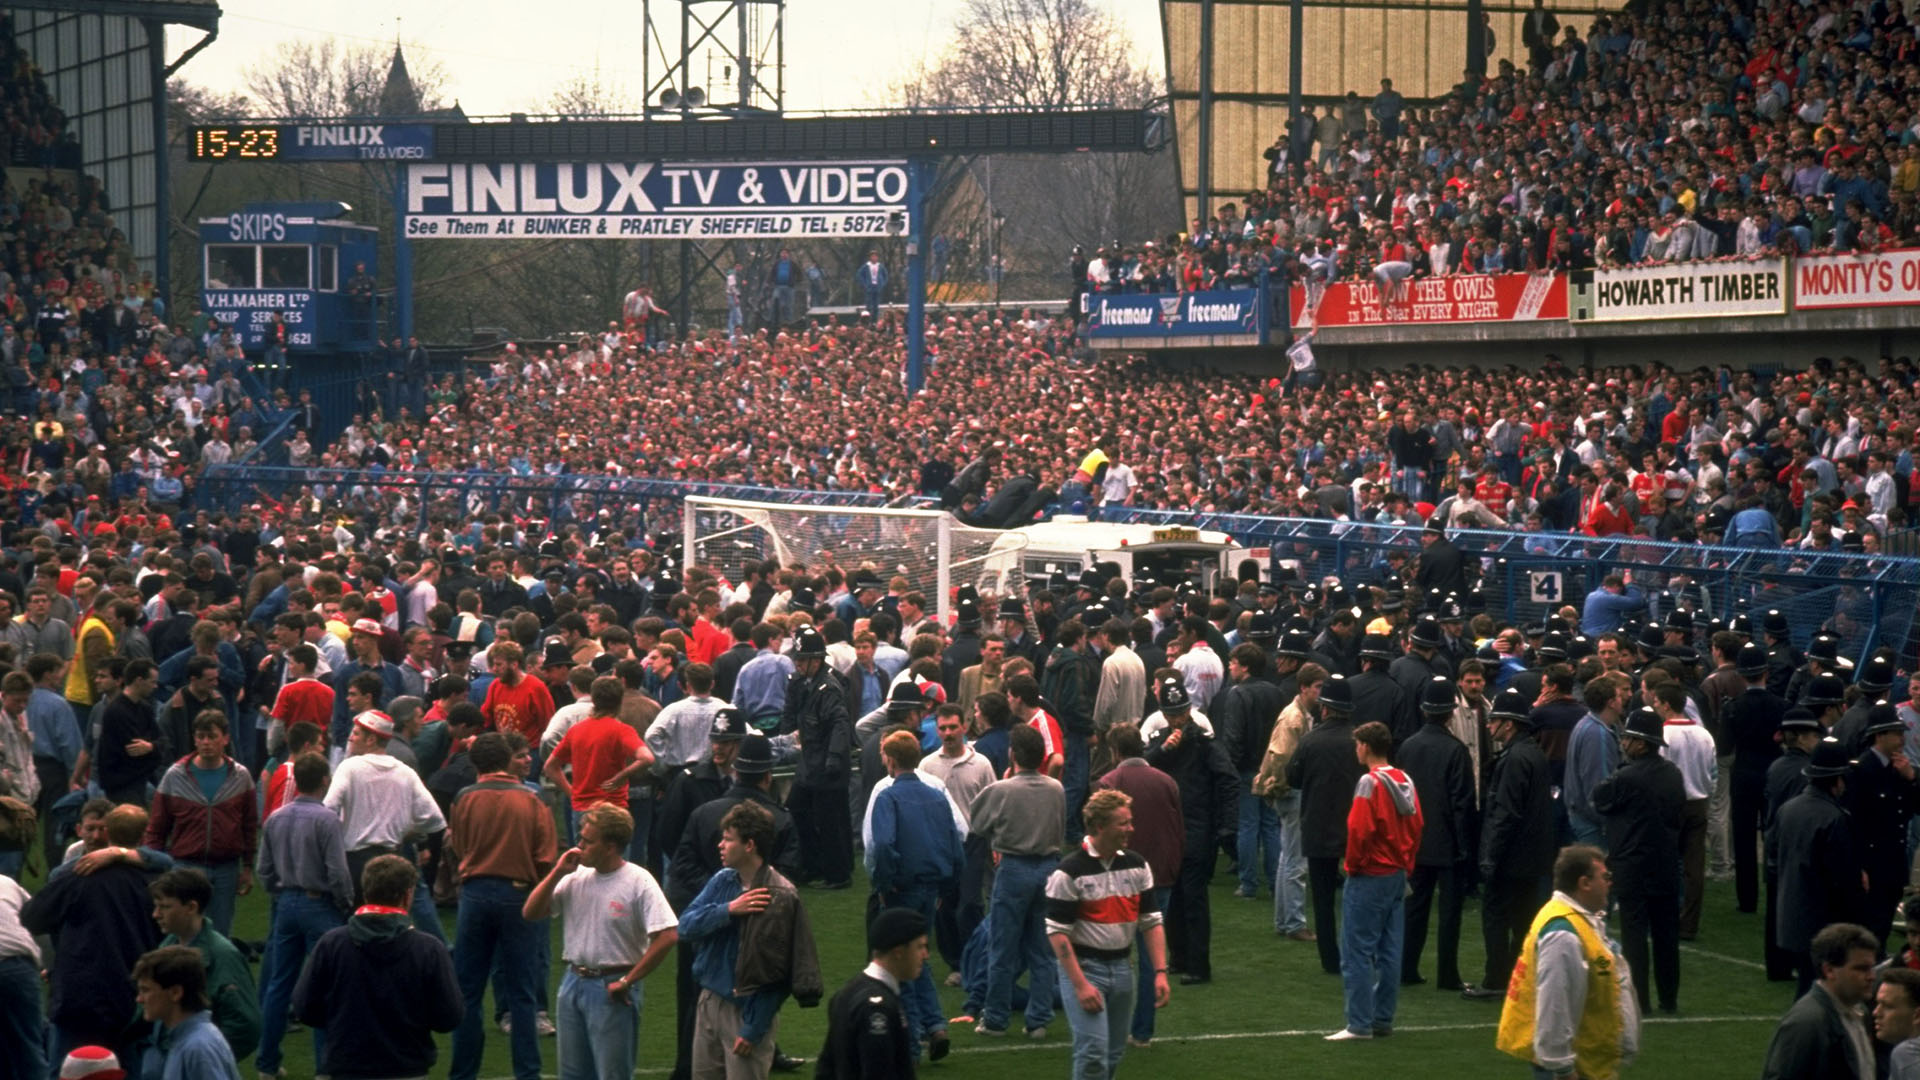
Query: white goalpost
[(927, 547)]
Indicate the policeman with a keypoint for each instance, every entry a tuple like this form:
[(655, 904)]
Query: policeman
[(1876, 676), (1786, 777), (1442, 773), (1782, 657), (1517, 842), (816, 711), (1750, 724), (1882, 796), (1376, 694), (867, 1035), (1815, 849), (1642, 802)]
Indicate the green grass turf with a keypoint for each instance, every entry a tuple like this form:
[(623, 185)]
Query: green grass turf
[(1267, 1007)]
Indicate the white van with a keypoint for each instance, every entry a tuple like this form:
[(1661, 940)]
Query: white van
[(1068, 544)]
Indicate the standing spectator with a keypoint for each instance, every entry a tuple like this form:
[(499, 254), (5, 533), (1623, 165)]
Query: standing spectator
[(1098, 901), (1689, 746), (816, 710), (1593, 752), (100, 925), (1324, 769), (57, 743), (747, 919), (1516, 841), (171, 982), (1290, 876), (1571, 1011), (381, 980), (605, 754), (1387, 107), (868, 1034), (917, 858), (616, 928), (1180, 743), (1244, 715), (1122, 692), (1643, 802), (1824, 1034), (1442, 773), (1383, 836), (698, 857), (207, 816), (22, 1019), (382, 803), (365, 640), (1023, 818), (1159, 836), (782, 276), (180, 897), (502, 835), (516, 701), (1537, 32), (872, 277), (1751, 724), (303, 866), (965, 773)]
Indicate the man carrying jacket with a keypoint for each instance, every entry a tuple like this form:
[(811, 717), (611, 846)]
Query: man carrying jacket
[(206, 816), (1442, 771), (1516, 841)]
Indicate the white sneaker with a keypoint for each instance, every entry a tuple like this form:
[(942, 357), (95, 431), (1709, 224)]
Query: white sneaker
[(1343, 1035), (543, 1024)]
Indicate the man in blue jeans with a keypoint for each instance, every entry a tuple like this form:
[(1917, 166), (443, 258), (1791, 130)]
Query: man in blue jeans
[(1023, 818), (1383, 835), (502, 836), (1097, 900), (618, 927), (916, 856), (303, 867)]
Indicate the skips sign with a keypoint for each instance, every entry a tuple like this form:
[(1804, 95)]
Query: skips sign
[(656, 200)]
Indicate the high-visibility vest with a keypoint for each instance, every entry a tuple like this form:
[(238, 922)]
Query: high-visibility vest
[(1600, 1040), (79, 675)]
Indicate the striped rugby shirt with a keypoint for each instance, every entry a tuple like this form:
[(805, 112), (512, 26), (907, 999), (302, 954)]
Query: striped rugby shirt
[(1100, 904)]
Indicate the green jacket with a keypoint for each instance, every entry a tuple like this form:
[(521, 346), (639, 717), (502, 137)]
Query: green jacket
[(232, 999)]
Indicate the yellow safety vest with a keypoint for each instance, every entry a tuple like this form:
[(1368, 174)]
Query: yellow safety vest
[(79, 675), (1597, 1042)]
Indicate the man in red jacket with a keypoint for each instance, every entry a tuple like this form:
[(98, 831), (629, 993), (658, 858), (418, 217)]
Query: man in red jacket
[(1383, 835), (205, 815)]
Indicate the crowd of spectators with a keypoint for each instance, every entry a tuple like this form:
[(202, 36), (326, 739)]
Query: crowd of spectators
[(1705, 129)]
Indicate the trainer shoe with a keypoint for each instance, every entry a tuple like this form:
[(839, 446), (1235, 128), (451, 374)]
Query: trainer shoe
[(990, 1032), (1037, 1033), (543, 1024), (505, 1023), (1139, 1044), (1343, 1035)]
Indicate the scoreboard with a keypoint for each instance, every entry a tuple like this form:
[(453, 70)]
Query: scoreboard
[(310, 142)]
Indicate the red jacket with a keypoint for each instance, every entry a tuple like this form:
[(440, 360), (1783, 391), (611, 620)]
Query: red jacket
[(1384, 823), (185, 825)]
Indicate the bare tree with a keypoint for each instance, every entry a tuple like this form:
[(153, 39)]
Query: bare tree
[(325, 77), (1040, 54), (591, 94)]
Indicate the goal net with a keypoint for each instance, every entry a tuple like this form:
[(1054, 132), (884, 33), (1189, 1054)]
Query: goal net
[(927, 547)]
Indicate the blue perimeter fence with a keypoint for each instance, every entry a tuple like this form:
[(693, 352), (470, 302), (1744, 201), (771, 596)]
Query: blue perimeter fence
[(1867, 601)]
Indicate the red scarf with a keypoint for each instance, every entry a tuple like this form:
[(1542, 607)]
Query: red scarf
[(379, 909)]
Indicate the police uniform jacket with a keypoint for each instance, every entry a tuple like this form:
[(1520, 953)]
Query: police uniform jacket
[(817, 709), (1642, 802), (1442, 773), (1517, 839), (1881, 802), (1324, 771), (867, 1035), (1819, 868)]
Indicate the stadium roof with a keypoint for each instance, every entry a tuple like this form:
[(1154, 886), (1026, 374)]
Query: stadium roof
[(203, 14)]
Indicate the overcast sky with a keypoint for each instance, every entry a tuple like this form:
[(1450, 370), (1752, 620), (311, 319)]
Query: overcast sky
[(501, 57)]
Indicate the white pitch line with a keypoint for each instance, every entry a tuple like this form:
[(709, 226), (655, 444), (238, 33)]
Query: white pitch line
[(1752, 965), (1018, 1046)]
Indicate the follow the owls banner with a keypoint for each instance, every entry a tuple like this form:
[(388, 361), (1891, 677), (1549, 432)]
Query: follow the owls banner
[(656, 200)]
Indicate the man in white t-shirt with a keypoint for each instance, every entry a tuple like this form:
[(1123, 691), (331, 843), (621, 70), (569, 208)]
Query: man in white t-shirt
[(616, 927), (1119, 483)]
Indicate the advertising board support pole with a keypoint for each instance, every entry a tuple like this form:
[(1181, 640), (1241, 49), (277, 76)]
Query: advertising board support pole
[(1203, 171), (162, 193), (919, 180), (402, 260)]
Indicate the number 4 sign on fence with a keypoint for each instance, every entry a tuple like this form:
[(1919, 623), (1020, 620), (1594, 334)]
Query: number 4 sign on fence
[(1545, 586)]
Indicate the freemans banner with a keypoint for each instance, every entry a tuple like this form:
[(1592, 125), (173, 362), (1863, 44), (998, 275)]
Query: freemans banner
[(1690, 290), (1878, 279), (1147, 320), (665, 200), (1461, 298)]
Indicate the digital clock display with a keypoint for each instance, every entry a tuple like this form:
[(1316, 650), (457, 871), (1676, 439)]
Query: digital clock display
[(234, 143)]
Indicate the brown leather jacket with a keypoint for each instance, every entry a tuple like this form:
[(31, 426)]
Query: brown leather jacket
[(776, 946)]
